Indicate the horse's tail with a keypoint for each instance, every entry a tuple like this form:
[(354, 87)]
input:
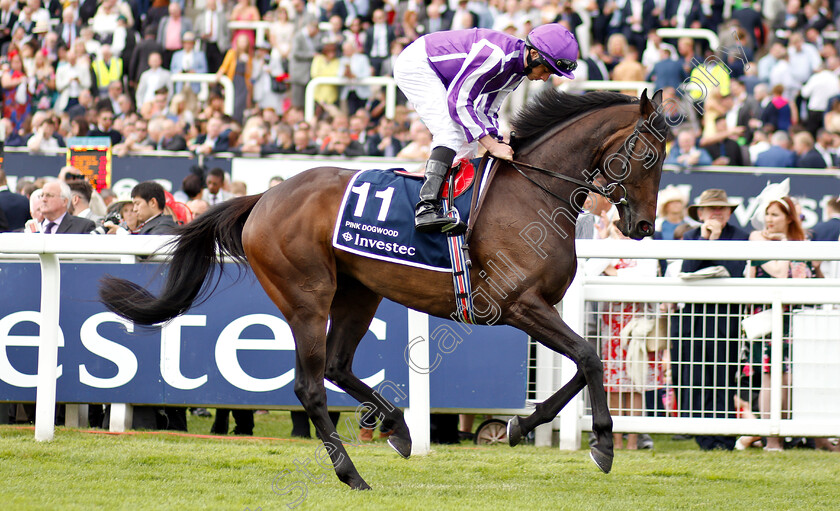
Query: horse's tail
[(193, 260)]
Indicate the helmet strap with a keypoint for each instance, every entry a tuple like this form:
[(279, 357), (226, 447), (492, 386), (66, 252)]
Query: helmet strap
[(530, 62)]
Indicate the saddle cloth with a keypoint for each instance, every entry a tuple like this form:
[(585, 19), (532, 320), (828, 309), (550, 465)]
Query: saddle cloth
[(376, 220)]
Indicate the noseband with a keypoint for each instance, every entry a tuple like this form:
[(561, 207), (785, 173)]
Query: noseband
[(607, 190)]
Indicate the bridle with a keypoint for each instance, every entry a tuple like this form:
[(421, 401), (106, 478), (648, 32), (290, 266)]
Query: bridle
[(607, 190)]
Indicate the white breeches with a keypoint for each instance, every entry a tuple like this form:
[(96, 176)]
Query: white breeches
[(423, 88)]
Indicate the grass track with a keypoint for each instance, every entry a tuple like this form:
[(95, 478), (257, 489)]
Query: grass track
[(147, 471)]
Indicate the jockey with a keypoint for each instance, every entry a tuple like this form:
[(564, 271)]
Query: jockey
[(457, 81)]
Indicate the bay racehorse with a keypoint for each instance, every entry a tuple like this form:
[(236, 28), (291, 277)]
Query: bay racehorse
[(567, 145)]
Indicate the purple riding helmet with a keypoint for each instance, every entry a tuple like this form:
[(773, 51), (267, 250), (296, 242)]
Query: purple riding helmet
[(557, 47)]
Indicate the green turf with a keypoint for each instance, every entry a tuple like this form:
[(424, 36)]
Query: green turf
[(147, 471)]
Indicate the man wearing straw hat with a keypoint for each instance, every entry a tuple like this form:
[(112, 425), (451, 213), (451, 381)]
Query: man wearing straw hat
[(704, 347)]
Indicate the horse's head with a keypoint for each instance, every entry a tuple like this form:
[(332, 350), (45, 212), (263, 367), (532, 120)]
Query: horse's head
[(632, 166)]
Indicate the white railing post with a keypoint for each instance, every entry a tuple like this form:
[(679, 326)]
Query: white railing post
[(418, 412), (776, 364), (574, 314), (47, 348)]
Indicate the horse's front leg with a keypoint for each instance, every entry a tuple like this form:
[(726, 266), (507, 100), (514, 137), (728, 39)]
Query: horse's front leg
[(546, 411), (542, 322)]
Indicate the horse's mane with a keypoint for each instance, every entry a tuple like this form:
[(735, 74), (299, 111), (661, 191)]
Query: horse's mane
[(551, 107)]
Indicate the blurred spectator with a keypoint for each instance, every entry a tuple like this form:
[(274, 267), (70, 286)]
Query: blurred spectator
[(437, 17), (214, 194), (45, 138), (829, 230), (8, 18), (789, 20), (340, 144), (629, 69), (80, 200), (383, 142), (303, 143), (825, 146), (68, 29), (214, 141), (188, 60), (281, 32), (170, 32), (670, 207), (14, 206), (243, 10), (421, 141), (779, 153), (686, 153), (191, 187), (34, 224), (779, 114), (804, 59), (596, 68), (818, 89), (104, 127), (667, 72), (304, 49), (237, 66), (723, 144), (124, 39), (198, 207), (354, 65), (171, 138), (140, 57), (326, 64), (269, 78), (16, 95), (212, 28), (806, 156), (152, 80), (44, 86), (112, 98), (378, 40)]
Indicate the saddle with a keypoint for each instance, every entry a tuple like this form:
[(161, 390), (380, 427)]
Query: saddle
[(463, 171)]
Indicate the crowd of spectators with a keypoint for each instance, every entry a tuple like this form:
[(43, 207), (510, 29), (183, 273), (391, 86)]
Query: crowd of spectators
[(105, 68)]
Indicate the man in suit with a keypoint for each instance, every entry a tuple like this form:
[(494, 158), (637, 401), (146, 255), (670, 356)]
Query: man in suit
[(304, 48), (211, 26), (8, 18), (105, 124), (149, 200), (830, 229), (152, 79), (55, 205), (383, 142), (705, 335), (188, 60), (171, 30), (214, 141), (140, 57), (80, 201), (667, 72), (778, 155), (806, 156), (171, 139), (595, 66), (14, 206), (214, 194), (378, 41)]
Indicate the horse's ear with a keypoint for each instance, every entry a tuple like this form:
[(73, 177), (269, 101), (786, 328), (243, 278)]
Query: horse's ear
[(644, 103), (657, 99)]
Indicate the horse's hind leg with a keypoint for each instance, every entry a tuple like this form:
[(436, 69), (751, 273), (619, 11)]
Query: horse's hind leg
[(306, 311), (544, 324), (352, 310)]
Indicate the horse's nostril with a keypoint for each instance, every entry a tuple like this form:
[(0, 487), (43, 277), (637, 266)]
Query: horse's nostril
[(646, 228)]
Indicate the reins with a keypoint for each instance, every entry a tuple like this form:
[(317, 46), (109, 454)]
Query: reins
[(605, 191)]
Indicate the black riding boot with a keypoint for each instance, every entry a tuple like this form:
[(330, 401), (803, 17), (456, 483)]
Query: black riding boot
[(428, 214)]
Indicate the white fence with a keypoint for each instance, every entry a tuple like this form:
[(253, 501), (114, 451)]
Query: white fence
[(806, 305), (816, 362)]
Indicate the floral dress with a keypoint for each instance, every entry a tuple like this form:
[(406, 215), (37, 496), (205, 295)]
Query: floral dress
[(614, 317)]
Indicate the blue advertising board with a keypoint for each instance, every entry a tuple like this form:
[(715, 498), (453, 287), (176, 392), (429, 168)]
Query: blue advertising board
[(233, 349)]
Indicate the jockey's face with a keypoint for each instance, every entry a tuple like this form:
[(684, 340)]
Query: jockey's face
[(540, 72)]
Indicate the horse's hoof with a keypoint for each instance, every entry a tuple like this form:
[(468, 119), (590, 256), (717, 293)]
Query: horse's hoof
[(514, 431), (401, 445), (602, 459), (361, 485)]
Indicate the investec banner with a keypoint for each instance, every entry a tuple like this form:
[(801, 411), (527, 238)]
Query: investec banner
[(234, 349)]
